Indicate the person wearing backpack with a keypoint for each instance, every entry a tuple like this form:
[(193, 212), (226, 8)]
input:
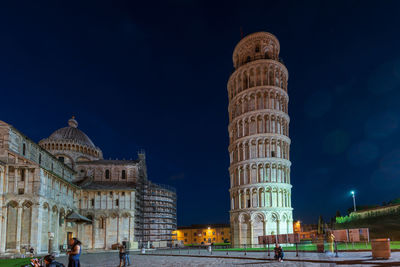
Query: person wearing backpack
[(50, 262)]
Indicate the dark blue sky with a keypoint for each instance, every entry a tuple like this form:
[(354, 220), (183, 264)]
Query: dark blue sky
[(153, 75)]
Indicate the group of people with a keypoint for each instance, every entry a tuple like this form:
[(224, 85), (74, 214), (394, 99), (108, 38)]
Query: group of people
[(73, 257), (123, 255), (75, 253)]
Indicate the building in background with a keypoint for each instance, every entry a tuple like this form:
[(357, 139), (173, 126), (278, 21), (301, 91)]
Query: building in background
[(203, 234), (306, 231), (259, 147), (63, 188)]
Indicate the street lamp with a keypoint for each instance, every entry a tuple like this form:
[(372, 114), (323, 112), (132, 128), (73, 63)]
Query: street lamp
[(354, 199)]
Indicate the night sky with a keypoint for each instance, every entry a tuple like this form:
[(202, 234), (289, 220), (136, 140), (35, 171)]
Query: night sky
[(152, 75)]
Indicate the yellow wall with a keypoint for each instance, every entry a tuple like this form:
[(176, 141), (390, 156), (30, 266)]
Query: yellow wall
[(197, 235)]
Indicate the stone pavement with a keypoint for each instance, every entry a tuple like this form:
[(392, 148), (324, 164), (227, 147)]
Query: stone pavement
[(167, 258)]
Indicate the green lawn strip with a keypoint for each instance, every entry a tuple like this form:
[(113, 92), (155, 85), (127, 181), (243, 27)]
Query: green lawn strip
[(313, 247), (215, 244), (14, 262)]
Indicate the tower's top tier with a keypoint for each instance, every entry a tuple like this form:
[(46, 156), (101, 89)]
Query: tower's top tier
[(259, 45)]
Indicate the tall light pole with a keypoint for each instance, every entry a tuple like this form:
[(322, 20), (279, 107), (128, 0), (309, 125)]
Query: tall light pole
[(354, 199)]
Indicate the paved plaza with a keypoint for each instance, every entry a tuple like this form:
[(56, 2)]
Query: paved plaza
[(203, 258)]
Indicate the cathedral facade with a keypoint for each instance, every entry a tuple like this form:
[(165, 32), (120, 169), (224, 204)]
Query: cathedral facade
[(62, 187), (260, 191)]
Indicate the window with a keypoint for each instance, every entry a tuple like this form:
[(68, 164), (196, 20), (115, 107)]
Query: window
[(273, 154), (194, 233), (22, 175), (20, 191), (204, 239), (222, 233), (123, 175), (92, 200), (185, 234), (248, 59), (204, 233), (123, 193), (62, 159), (51, 166), (23, 149), (213, 233), (60, 219), (101, 223), (98, 193), (117, 202), (185, 240), (107, 174), (194, 240), (40, 158), (214, 238), (111, 194), (257, 49)]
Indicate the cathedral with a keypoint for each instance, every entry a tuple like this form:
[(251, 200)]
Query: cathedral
[(62, 187)]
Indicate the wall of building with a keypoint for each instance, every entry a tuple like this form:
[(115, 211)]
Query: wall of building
[(38, 192), (203, 235)]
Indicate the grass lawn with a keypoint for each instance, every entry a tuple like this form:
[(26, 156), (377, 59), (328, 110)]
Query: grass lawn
[(313, 247), (14, 262), (215, 244)]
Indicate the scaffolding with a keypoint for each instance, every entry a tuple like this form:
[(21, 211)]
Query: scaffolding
[(155, 218), (159, 213)]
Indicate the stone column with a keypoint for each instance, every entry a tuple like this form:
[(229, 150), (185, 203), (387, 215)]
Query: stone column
[(19, 223), (56, 232), (251, 233), (118, 228), (105, 232), (94, 232), (239, 233), (16, 180), (3, 230), (131, 229), (36, 227), (278, 224), (26, 171), (265, 227)]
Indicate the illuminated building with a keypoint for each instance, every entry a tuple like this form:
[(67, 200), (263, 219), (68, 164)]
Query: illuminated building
[(259, 146), (62, 187), (202, 234)]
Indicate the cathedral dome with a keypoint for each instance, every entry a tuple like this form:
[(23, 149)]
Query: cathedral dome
[(72, 134), (69, 144)]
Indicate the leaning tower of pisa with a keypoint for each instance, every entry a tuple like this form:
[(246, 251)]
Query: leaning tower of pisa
[(259, 145)]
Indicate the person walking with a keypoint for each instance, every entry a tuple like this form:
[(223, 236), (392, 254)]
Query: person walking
[(75, 253), (331, 240), (122, 255), (127, 259)]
